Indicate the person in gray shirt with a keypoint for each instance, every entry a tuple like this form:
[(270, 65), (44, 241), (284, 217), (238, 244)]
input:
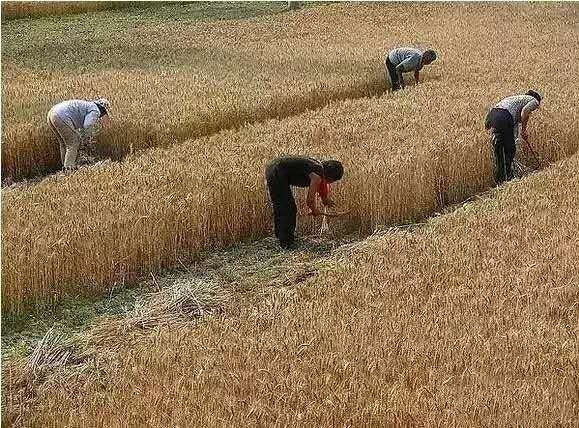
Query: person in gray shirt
[(503, 120), (404, 60), (72, 122)]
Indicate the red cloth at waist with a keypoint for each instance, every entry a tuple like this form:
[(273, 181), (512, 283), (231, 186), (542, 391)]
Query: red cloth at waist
[(324, 189)]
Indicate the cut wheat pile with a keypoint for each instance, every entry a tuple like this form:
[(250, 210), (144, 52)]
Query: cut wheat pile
[(406, 155)]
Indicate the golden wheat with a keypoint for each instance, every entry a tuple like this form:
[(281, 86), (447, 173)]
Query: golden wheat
[(470, 321), (178, 83), (29, 9), (406, 155)]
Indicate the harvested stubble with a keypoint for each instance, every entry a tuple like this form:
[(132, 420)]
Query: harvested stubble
[(471, 321), (178, 80)]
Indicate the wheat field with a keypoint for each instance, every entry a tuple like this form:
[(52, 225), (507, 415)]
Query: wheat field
[(406, 155), (469, 321), (466, 319), (169, 82), (31, 9)]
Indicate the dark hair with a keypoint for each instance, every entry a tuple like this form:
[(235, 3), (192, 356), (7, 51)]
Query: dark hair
[(102, 110), (429, 54), (333, 170), (535, 95)]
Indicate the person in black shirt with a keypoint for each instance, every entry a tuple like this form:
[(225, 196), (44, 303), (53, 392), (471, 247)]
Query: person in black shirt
[(289, 171), (503, 121)]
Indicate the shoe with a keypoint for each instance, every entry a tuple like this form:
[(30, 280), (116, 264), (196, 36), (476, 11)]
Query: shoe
[(287, 245)]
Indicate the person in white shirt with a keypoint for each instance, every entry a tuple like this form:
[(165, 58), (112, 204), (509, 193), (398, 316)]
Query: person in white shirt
[(405, 60), (503, 120), (74, 120)]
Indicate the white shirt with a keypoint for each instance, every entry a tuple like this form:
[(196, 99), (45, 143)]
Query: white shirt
[(516, 104), (82, 114), (406, 59)]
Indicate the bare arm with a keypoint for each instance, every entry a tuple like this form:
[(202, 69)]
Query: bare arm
[(525, 114), (315, 180)]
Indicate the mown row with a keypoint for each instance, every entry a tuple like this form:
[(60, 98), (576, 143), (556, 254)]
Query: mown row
[(469, 321), (171, 77), (406, 155)]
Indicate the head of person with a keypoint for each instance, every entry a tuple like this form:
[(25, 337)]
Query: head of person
[(333, 170), (535, 95), (428, 56), (104, 106)]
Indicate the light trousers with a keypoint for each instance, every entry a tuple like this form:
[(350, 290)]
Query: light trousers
[(68, 138)]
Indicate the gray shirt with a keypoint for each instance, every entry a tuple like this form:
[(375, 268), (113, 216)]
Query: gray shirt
[(82, 114), (516, 103), (406, 59)]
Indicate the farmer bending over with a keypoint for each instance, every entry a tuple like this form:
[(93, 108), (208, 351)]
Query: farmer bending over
[(72, 121), (503, 121), (404, 60), (288, 171)]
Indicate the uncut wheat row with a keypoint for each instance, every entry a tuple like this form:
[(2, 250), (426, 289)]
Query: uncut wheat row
[(406, 155), (106, 225), (27, 9)]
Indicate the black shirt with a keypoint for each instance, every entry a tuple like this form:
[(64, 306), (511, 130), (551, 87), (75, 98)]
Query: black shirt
[(296, 170)]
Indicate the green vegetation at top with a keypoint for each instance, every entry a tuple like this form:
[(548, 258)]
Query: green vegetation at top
[(12, 10), (102, 40)]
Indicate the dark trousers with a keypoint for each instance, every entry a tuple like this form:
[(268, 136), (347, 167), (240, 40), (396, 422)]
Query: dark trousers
[(503, 141), (284, 206), (393, 75)]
